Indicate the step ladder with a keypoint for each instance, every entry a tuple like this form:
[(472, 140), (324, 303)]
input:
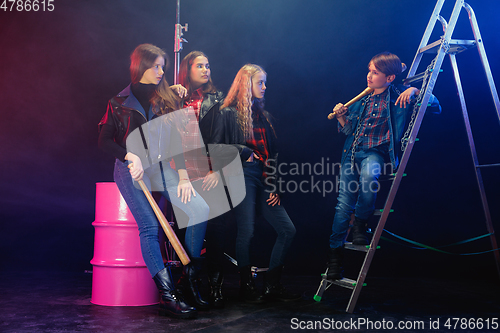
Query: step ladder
[(445, 46)]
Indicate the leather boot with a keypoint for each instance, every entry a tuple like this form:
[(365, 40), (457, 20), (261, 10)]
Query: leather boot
[(359, 228), (215, 280), (248, 292), (187, 286), (334, 264), (274, 290), (170, 303)]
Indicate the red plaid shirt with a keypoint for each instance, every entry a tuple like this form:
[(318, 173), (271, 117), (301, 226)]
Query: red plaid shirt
[(197, 164), (375, 123), (259, 143)]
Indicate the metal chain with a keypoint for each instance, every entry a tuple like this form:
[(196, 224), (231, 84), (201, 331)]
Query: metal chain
[(358, 132), (358, 129), (416, 106), (404, 140)]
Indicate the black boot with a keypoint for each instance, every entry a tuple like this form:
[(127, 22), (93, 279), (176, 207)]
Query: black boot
[(359, 229), (248, 292), (215, 280), (334, 264), (187, 287), (170, 303), (274, 290)]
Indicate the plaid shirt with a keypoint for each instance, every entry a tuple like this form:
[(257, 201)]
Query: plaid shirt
[(259, 143), (197, 163), (374, 124)]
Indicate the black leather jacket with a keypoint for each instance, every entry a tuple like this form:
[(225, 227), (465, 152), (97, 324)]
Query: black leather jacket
[(227, 131), (208, 112), (123, 117)]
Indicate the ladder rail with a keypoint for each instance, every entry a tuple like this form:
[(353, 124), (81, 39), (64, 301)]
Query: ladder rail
[(494, 94), (425, 37), (479, 178), (483, 57), (453, 20)]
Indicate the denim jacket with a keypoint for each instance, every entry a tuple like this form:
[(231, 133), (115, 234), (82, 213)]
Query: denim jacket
[(397, 121)]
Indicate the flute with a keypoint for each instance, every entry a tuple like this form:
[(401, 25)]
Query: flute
[(352, 101)]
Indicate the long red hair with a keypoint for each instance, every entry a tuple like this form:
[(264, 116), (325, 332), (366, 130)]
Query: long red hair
[(240, 96)]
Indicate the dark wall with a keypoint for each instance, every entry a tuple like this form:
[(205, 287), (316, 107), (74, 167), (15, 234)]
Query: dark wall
[(59, 68)]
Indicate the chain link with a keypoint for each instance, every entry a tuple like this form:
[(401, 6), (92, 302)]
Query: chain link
[(358, 132), (358, 129), (404, 140)]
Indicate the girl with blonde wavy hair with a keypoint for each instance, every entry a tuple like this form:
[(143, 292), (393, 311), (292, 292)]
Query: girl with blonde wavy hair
[(240, 95), (245, 124)]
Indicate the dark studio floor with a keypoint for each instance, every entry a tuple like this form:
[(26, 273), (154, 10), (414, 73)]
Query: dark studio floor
[(60, 302)]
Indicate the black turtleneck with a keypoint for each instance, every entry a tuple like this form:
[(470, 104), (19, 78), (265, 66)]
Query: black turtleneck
[(143, 93)]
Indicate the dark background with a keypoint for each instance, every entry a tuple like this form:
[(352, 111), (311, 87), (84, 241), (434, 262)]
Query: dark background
[(58, 69)]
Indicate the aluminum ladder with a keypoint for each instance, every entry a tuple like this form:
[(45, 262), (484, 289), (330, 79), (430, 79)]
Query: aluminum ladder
[(445, 46)]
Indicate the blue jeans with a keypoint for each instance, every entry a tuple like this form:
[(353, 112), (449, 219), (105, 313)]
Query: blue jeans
[(196, 209), (358, 187), (255, 200)]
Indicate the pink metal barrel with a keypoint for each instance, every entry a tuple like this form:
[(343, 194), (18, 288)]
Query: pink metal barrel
[(120, 276)]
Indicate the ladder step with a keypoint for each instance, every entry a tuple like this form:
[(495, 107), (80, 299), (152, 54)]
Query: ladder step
[(345, 282), (390, 177), (361, 248), (380, 211), (456, 46), (351, 246), (487, 165), (415, 78)]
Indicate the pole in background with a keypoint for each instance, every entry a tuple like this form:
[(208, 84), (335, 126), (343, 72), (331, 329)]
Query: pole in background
[(178, 40), (167, 206)]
